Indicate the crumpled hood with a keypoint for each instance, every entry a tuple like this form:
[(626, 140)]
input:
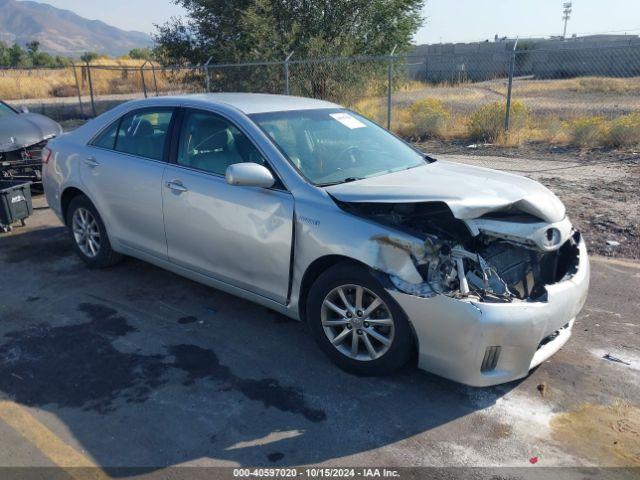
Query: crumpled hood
[(26, 129), (469, 191)]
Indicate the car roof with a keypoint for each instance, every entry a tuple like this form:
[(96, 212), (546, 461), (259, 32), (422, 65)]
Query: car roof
[(250, 103)]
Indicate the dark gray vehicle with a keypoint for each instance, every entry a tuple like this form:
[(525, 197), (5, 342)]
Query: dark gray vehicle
[(22, 138)]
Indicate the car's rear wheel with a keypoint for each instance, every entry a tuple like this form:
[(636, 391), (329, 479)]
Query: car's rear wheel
[(357, 323), (89, 234)]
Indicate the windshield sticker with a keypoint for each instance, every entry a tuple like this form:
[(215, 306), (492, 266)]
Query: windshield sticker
[(348, 121)]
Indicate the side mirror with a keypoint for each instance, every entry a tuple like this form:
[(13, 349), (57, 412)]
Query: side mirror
[(24, 109), (249, 175)]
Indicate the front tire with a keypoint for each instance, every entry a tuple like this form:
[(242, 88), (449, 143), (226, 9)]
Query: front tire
[(89, 234), (357, 323)]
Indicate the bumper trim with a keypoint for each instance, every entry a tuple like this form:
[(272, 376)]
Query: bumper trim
[(551, 348)]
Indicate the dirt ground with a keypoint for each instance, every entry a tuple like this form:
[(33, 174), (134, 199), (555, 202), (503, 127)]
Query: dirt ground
[(601, 189)]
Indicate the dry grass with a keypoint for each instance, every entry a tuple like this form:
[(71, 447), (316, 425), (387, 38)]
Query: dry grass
[(60, 82), (587, 112), (431, 118), (602, 85)]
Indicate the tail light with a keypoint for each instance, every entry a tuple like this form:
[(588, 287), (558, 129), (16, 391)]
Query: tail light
[(46, 155)]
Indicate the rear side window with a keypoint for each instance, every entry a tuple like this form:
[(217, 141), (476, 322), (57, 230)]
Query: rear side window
[(107, 139), (144, 133)]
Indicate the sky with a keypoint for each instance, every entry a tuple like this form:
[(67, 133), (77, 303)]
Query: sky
[(445, 20)]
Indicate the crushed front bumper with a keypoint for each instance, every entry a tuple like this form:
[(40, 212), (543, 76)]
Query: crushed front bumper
[(482, 344)]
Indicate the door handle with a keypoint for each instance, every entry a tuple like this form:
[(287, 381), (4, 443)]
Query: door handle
[(176, 186), (91, 161)]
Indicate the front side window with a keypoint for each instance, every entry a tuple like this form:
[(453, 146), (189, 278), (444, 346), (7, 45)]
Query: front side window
[(330, 146), (211, 143), (144, 132)]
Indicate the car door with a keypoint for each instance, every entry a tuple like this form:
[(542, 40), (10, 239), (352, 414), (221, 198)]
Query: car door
[(236, 234), (122, 171)]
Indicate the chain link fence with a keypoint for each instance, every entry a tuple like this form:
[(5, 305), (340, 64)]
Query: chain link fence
[(492, 93)]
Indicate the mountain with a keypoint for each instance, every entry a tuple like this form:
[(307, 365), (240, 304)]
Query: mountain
[(62, 32)]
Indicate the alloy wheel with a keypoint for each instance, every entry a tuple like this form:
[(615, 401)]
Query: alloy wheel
[(86, 232), (357, 322)]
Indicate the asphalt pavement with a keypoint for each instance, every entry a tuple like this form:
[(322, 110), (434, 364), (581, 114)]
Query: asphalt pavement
[(134, 366)]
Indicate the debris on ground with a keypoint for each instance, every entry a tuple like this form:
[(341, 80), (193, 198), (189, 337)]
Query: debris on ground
[(613, 243), (542, 388), (610, 357), (533, 460)]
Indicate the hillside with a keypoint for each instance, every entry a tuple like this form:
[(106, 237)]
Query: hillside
[(62, 32)]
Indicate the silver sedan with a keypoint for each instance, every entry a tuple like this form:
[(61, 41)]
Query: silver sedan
[(316, 212)]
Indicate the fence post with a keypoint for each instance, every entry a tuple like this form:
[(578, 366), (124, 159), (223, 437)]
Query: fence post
[(426, 68), (93, 103), (155, 82), (390, 86), (144, 84), (286, 74), (207, 78), (512, 66), (75, 75)]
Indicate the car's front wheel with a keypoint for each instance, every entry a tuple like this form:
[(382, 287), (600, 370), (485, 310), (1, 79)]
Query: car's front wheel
[(357, 323), (89, 234)]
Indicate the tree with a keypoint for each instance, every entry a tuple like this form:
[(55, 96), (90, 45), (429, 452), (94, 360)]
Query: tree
[(38, 58), (270, 29), (33, 47), (5, 60), (141, 53), (18, 57), (89, 57)]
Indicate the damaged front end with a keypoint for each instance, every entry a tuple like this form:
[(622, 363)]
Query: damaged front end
[(503, 256), (22, 164)]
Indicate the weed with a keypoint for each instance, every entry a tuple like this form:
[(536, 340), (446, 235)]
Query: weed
[(587, 131), (487, 122)]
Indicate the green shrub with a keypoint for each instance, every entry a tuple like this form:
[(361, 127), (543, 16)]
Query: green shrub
[(427, 118), (624, 131), (587, 131), (64, 91), (487, 122)]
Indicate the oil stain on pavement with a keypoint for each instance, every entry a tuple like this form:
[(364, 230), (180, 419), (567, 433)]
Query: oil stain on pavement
[(77, 366), (200, 363), (605, 434)]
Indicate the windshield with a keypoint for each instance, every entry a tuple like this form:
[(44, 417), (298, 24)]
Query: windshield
[(6, 110), (330, 146)]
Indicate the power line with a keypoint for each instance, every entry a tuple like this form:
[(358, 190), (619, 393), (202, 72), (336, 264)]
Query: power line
[(566, 15)]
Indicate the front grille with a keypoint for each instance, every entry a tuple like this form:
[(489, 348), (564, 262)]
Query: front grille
[(22, 164), (490, 359)]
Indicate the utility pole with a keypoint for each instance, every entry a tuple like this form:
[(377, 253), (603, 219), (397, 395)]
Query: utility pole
[(566, 15)]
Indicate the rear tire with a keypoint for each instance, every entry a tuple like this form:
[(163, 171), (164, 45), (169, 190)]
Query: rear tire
[(89, 235), (384, 341)]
